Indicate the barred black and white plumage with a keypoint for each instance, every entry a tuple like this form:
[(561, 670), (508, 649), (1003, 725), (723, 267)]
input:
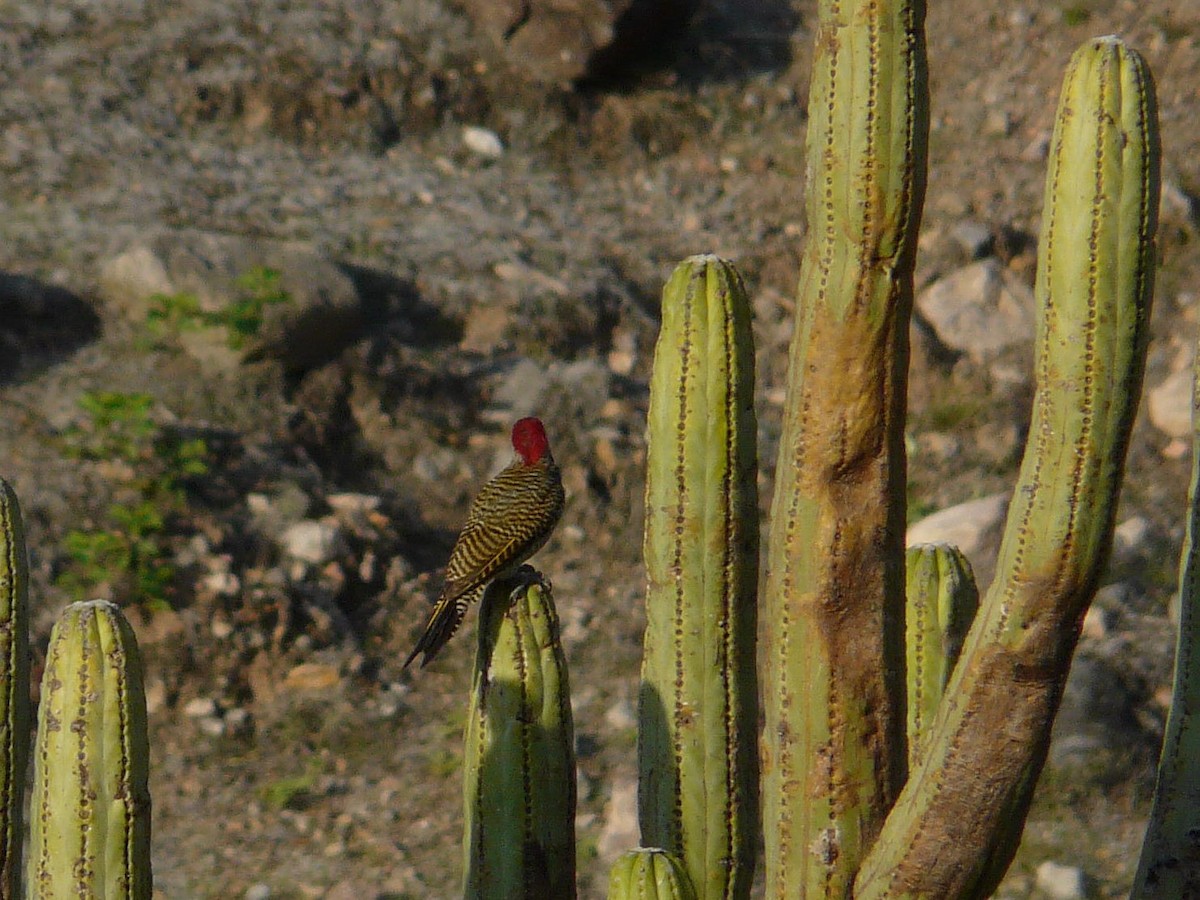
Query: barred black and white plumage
[(511, 518)]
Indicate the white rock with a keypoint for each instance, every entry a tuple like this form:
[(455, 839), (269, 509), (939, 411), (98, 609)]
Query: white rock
[(1129, 537), (483, 142), (967, 526), (973, 236), (620, 830), (238, 721), (980, 309), (257, 892), (315, 542), (621, 716), (1060, 881), (200, 708), (1170, 405), (353, 504)]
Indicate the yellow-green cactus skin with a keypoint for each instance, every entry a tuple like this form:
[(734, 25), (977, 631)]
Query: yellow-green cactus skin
[(697, 705), (833, 755), (941, 600), (519, 767), (90, 807), (1170, 866), (649, 874), (958, 819), (14, 689)]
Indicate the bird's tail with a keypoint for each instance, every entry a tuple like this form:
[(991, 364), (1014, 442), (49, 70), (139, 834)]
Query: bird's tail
[(447, 615)]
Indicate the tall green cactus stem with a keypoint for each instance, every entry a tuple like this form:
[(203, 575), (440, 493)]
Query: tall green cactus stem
[(941, 600), (90, 809), (14, 687), (956, 823), (519, 767), (649, 874), (833, 743), (1169, 865), (697, 705)]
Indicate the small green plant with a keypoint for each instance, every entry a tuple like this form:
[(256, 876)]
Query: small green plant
[(173, 314), (259, 288), (170, 315), (1076, 15), (292, 792), (128, 549)]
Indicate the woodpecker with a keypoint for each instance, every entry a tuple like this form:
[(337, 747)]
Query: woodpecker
[(511, 518)]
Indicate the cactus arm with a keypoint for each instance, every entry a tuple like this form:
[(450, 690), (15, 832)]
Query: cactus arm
[(14, 689), (940, 603), (519, 767), (649, 874), (833, 744), (697, 748), (1169, 866), (90, 808), (956, 822)]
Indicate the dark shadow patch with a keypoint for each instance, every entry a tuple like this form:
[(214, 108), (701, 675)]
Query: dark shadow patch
[(393, 304), (706, 41), (40, 324)]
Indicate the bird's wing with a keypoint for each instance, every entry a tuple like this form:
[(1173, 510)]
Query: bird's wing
[(509, 520)]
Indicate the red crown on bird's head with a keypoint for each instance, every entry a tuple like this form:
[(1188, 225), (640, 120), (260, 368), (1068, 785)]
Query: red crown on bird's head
[(529, 440)]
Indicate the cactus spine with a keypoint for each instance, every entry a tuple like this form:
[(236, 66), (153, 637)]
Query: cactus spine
[(14, 689), (649, 874), (1094, 284), (90, 809), (697, 705), (833, 742), (519, 767), (941, 599), (1169, 866)]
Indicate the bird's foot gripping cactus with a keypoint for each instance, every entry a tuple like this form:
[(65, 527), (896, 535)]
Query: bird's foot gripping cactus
[(519, 767), (90, 807)]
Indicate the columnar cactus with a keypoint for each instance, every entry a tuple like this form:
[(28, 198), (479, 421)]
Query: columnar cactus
[(90, 807), (940, 603), (519, 766), (14, 686), (697, 706), (833, 742), (1169, 866), (1094, 281), (649, 874)]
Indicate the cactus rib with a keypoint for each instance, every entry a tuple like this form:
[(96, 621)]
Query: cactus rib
[(90, 809), (14, 690), (833, 743), (519, 767), (1169, 867), (697, 703), (940, 603), (1094, 285), (649, 874)]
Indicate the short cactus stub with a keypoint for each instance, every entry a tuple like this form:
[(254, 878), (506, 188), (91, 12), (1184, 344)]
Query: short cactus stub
[(940, 600), (649, 874), (519, 766), (90, 807)]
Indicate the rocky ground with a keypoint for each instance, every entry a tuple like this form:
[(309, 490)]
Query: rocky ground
[(463, 239)]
